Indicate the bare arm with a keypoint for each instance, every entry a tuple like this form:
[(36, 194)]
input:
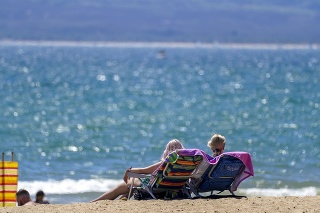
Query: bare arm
[(146, 170)]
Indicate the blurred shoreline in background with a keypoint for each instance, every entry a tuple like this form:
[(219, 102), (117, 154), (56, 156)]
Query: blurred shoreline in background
[(113, 44)]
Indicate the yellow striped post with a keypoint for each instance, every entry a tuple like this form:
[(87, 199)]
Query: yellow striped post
[(8, 181)]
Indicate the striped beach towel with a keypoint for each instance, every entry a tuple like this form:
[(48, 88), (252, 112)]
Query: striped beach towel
[(8, 183), (177, 170)]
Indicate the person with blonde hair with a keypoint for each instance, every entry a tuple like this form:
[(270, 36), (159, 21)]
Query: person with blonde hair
[(217, 144), (170, 147), (123, 188)]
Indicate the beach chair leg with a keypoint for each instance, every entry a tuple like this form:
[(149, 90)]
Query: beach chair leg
[(186, 191), (131, 188), (152, 195), (232, 192), (196, 194)]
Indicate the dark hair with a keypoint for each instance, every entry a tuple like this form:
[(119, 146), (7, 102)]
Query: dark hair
[(23, 197), (40, 193), (23, 192)]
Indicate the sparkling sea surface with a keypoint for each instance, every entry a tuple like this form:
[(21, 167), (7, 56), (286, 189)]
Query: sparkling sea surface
[(77, 117)]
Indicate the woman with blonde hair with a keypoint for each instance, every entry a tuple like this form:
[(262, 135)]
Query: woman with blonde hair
[(170, 147), (217, 144), (123, 188)]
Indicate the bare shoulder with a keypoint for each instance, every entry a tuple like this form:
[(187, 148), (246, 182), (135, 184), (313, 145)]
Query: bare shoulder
[(31, 203)]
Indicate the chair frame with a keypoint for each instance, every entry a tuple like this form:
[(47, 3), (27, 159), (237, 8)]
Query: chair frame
[(196, 192), (149, 187)]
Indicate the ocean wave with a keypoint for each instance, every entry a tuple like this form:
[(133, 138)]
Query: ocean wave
[(69, 186)]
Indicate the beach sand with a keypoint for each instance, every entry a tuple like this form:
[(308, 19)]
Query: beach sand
[(216, 204)]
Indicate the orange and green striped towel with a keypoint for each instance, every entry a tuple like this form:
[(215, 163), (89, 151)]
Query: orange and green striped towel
[(176, 173)]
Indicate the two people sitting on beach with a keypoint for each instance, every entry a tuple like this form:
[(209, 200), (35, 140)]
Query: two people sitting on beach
[(24, 199), (216, 144)]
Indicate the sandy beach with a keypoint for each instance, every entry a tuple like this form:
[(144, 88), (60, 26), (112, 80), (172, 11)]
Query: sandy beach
[(216, 204)]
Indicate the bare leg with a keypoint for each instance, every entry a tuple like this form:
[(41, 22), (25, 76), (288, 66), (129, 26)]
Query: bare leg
[(121, 189)]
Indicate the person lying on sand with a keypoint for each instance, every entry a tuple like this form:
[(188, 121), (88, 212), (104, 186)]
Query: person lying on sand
[(123, 188), (23, 198)]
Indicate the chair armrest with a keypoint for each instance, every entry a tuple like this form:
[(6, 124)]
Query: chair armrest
[(136, 175)]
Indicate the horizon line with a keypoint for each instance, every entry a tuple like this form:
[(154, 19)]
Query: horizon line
[(160, 44)]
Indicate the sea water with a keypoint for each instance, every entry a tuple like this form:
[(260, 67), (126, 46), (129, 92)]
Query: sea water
[(76, 116)]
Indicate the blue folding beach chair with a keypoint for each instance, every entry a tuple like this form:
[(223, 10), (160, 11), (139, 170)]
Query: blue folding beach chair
[(225, 172)]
